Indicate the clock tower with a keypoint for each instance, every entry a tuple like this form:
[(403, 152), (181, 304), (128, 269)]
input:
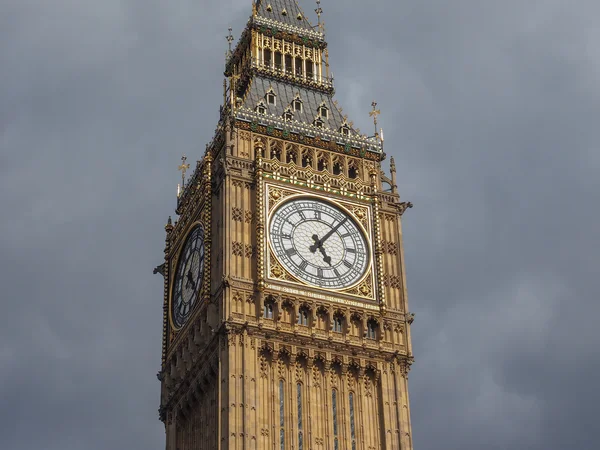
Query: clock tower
[(286, 322)]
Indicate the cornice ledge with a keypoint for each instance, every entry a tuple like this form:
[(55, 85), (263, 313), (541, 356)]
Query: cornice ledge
[(259, 20)]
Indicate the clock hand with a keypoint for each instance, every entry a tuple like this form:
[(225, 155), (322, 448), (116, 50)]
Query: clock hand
[(190, 280), (326, 258), (317, 244), (333, 230)]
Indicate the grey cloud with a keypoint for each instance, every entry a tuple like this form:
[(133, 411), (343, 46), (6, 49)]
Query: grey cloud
[(490, 112)]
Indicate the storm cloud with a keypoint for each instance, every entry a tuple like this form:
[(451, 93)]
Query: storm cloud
[(490, 109)]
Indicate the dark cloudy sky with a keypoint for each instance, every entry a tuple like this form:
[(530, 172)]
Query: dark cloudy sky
[(491, 109)]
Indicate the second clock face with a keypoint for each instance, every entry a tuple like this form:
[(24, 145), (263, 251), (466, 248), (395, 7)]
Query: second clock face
[(319, 243), (188, 278)]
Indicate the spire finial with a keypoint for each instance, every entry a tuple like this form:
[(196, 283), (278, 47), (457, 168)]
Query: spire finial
[(183, 167), (374, 115), (319, 11), (229, 38)]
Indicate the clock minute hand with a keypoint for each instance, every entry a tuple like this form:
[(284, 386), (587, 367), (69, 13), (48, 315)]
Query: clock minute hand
[(333, 230)]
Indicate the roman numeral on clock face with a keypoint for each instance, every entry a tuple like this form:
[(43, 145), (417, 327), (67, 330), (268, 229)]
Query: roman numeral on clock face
[(348, 264), (291, 251), (303, 265)]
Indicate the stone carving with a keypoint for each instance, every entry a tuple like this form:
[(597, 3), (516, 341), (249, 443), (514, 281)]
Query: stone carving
[(237, 248), (236, 214)]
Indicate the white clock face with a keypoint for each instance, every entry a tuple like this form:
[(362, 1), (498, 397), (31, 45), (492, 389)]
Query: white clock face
[(319, 243)]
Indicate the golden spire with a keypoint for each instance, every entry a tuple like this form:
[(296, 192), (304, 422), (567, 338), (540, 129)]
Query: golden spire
[(319, 11)]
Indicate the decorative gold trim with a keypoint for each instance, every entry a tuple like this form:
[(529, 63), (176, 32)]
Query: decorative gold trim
[(286, 195)]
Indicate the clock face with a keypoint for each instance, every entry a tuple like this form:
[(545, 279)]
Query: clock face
[(188, 277), (319, 243)]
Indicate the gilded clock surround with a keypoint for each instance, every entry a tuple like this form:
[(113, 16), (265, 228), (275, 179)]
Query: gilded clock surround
[(361, 214), (260, 341)]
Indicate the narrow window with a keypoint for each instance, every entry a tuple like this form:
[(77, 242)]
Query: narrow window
[(352, 172), (278, 61), (306, 161), (288, 116), (337, 324), (281, 422), (261, 109), (300, 430), (271, 98), (299, 70), (371, 329), (323, 112), (337, 168), (335, 419), (321, 165), (303, 317), (309, 70), (267, 57), (345, 130), (352, 426), (268, 311), (289, 64), (291, 157), (276, 154), (298, 105)]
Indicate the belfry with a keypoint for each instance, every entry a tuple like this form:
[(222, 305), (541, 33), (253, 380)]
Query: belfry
[(286, 323)]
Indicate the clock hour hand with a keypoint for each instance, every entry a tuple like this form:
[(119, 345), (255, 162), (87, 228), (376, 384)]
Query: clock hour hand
[(190, 280), (319, 245), (326, 258)]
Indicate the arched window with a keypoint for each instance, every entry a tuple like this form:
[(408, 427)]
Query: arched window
[(337, 168), (276, 153), (281, 416), (322, 164), (338, 324), (268, 310), (300, 428), (303, 316), (306, 159), (352, 172), (371, 329), (291, 156), (334, 407), (352, 424)]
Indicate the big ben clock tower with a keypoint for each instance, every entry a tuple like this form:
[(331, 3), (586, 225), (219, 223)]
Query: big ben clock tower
[(286, 323)]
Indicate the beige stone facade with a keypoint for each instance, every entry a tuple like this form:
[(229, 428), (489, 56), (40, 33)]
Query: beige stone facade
[(265, 360)]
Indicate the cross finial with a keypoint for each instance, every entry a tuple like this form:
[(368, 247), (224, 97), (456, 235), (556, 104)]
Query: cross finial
[(183, 167), (374, 113)]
